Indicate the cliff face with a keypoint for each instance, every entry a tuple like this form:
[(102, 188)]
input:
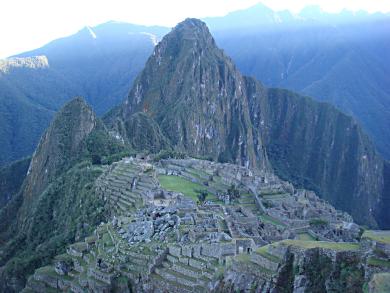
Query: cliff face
[(197, 97), (316, 146)]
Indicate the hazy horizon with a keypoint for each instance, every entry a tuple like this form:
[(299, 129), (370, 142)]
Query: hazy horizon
[(66, 18)]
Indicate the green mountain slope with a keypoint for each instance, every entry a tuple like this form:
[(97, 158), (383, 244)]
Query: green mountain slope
[(204, 106), (338, 58), (57, 203), (196, 96), (100, 69)]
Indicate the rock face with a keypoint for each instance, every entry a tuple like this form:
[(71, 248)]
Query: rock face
[(316, 146), (197, 97), (194, 96)]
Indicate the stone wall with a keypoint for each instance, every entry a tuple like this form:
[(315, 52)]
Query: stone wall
[(264, 262)]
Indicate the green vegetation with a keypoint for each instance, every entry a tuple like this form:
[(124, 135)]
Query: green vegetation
[(340, 246), (179, 184), (263, 251), (377, 235), (233, 192), (305, 237), (377, 262), (202, 194), (318, 222), (55, 221), (169, 154), (11, 178), (268, 219)]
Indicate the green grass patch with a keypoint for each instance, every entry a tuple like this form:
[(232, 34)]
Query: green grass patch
[(179, 184), (322, 244), (305, 237), (47, 270), (263, 251), (245, 258), (377, 262), (271, 220), (382, 236)]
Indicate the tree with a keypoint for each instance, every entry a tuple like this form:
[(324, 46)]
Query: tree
[(233, 192), (202, 196)]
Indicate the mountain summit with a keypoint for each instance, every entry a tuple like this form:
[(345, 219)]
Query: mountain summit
[(192, 98), (197, 97)]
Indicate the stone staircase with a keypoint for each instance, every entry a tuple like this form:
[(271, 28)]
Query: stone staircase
[(184, 274), (124, 187)]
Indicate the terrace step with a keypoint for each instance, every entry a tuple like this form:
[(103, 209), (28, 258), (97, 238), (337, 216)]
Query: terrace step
[(171, 275), (161, 285)]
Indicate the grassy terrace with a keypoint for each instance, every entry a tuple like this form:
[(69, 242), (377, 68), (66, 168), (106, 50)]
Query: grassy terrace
[(188, 188), (340, 246), (263, 251), (271, 220), (305, 237), (376, 262), (48, 271), (379, 236)]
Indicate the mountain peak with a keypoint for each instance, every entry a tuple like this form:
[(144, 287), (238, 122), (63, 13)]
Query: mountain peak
[(59, 144), (191, 24), (192, 29), (196, 96)]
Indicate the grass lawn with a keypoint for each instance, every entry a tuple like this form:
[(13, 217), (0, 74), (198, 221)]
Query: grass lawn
[(322, 244), (263, 251), (378, 262), (269, 219), (382, 236), (305, 237), (179, 184)]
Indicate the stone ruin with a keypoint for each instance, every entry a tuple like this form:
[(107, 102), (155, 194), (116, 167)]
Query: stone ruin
[(161, 240)]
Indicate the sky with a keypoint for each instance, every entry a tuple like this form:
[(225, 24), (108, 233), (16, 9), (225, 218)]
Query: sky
[(29, 24)]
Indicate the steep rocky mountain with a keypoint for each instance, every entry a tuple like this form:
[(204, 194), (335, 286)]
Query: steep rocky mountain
[(235, 119), (56, 203), (197, 98), (169, 222), (338, 58), (314, 145), (97, 63)]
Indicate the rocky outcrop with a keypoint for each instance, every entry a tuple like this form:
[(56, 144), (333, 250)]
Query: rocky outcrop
[(316, 146), (203, 106), (197, 97)]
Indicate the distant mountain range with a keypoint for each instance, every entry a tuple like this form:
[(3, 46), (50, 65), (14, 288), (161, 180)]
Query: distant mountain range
[(342, 59), (339, 58), (98, 64), (189, 100)]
